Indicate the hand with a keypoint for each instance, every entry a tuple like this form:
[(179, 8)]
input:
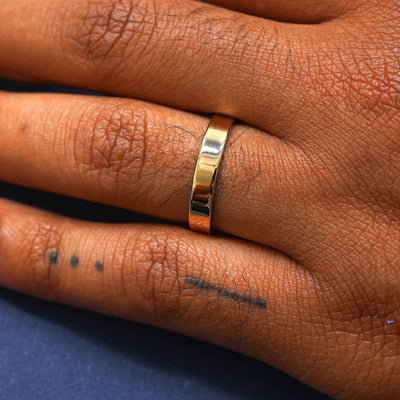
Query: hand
[(309, 183)]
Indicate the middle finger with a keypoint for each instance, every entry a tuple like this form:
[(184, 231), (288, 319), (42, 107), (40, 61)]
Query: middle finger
[(186, 54)]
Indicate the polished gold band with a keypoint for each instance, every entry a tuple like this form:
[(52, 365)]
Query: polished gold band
[(206, 171)]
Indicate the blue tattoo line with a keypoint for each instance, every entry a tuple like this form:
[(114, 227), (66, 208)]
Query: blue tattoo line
[(200, 284)]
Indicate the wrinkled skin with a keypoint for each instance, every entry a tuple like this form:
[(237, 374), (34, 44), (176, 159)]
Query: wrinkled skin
[(309, 192)]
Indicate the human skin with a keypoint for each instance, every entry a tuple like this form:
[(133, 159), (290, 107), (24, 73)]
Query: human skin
[(307, 278)]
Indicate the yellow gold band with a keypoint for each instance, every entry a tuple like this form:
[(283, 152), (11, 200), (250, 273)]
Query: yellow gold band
[(206, 171)]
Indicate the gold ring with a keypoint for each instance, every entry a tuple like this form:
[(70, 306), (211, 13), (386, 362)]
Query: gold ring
[(205, 174)]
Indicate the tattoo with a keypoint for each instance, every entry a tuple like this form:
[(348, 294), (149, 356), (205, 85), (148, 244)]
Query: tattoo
[(99, 266), (74, 261), (54, 258), (200, 284)]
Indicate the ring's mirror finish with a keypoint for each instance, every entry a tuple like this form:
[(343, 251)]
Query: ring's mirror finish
[(206, 171)]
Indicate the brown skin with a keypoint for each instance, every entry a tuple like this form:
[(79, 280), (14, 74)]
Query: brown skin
[(311, 176)]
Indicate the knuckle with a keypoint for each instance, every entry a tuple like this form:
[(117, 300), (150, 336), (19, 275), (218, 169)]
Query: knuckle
[(115, 147), (103, 31), (162, 266), (159, 261), (41, 258), (123, 147)]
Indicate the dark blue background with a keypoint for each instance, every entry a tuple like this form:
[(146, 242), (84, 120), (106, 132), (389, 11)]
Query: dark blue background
[(51, 351)]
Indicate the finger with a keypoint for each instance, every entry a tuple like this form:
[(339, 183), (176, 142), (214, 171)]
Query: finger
[(304, 12), (183, 54), (142, 157), (221, 290)]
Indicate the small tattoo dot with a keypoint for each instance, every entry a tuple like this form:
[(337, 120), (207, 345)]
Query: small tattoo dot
[(74, 261), (99, 266), (54, 258)]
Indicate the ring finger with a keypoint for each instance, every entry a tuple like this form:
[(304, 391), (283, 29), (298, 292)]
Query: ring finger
[(142, 157)]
